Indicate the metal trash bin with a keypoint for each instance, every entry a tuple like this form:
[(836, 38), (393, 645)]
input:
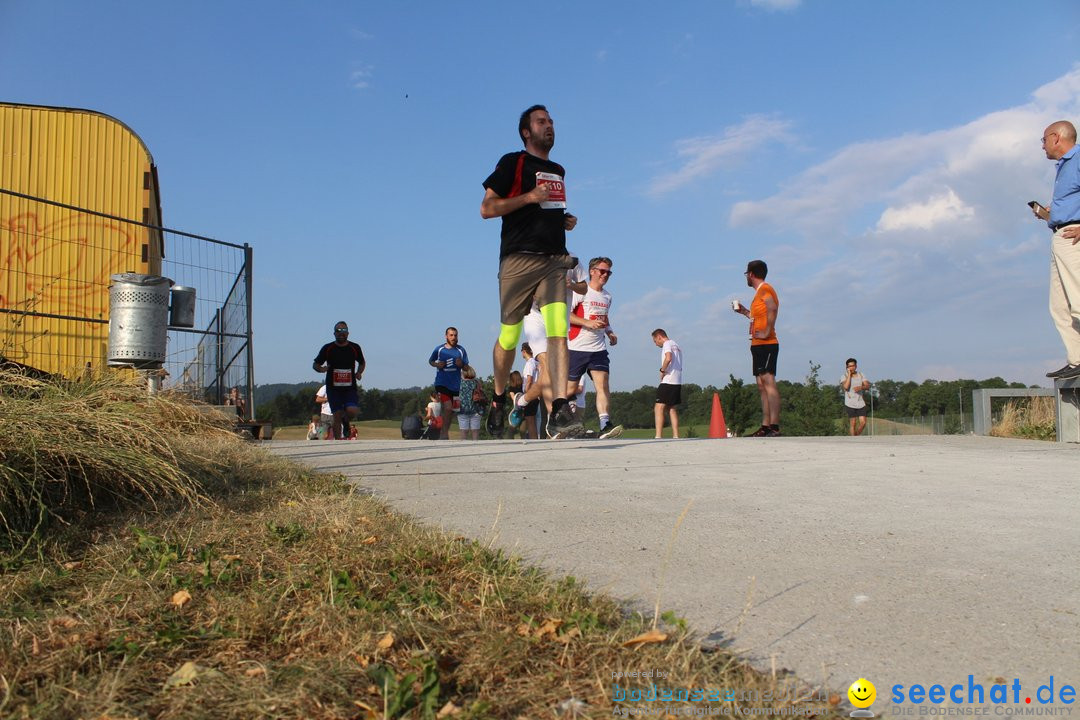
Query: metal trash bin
[(138, 320), (182, 310)]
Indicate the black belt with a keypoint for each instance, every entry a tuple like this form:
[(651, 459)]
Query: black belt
[(1067, 223)]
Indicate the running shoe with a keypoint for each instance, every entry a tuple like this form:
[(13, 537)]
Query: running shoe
[(611, 430), (516, 416), (772, 433), (564, 424), (1060, 372), (495, 424), (1069, 372), (761, 432)]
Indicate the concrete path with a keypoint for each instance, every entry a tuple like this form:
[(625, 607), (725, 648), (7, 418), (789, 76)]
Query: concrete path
[(904, 560)]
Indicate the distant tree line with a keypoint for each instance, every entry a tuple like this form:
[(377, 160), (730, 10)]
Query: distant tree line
[(811, 407), (295, 404)]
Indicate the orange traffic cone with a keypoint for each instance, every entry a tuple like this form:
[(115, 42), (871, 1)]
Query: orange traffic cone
[(717, 426)]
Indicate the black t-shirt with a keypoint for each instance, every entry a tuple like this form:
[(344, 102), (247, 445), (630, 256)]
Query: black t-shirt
[(341, 358), (531, 228)]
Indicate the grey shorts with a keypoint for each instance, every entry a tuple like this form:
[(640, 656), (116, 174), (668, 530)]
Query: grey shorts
[(525, 276)]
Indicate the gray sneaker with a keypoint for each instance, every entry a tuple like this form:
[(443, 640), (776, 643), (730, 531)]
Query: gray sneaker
[(564, 424), (610, 431)]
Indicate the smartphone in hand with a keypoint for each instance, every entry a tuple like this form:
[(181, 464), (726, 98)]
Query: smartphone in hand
[(1039, 210)]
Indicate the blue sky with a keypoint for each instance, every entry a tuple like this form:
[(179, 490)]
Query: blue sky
[(878, 155)]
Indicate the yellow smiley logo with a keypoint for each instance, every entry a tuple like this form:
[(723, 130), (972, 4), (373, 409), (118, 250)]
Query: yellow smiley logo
[(862, 693)]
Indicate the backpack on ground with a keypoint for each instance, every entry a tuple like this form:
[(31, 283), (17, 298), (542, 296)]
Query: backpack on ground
[(411, 427)]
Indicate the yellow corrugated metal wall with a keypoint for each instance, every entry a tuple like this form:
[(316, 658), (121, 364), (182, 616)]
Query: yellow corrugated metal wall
[(58, 261)]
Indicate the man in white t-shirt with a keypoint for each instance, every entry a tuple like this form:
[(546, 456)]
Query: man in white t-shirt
[(854, 384), (590, 333), (669, 392), (326, 415), (527, 405)]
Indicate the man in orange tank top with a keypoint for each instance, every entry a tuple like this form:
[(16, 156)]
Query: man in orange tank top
[(764, 347)]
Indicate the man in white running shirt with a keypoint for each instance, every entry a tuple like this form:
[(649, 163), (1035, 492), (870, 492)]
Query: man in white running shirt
[(590, 333)]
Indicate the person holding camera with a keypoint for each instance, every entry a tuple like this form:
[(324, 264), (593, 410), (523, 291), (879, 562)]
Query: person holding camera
[(854, 384), (1063, 218), (764, 347)]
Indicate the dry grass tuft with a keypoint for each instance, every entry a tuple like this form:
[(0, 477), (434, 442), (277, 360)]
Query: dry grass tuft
[(72, 448), (1031, 418)]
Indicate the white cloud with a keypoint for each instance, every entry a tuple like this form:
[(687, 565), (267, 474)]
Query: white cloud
[(775, 5), (992, 162), (361, 79), (704, 155), (938, 210)]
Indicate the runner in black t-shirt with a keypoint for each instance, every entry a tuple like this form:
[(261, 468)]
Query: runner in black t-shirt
[(527, 190), (343, 363)]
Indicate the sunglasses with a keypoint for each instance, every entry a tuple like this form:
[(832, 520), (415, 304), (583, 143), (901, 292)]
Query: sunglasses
[(602, 271), (341, 331)]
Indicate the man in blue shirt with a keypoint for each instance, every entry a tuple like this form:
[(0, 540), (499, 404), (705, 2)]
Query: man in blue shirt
[(448, 359), (1059, 142)]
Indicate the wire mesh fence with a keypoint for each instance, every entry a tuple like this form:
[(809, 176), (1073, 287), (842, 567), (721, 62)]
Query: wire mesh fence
[(942, 424), (216, 354), (56, 263)]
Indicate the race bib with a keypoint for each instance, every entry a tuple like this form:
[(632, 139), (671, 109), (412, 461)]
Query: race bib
[(557, 199), (342, 378)]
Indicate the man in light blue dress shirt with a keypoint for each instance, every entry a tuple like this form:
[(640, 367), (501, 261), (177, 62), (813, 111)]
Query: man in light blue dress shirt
[(1063, 217)]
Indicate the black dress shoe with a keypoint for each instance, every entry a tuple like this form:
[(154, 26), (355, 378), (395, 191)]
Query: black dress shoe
[(1070, 372), (1061, 370)]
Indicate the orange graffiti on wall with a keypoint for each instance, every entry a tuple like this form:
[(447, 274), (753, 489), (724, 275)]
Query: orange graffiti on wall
[(63, 266)]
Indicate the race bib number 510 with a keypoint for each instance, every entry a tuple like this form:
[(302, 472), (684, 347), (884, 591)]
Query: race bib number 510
[(342, 378), (557, 197)]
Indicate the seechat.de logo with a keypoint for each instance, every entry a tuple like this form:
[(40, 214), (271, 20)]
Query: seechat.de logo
[(862, 695)]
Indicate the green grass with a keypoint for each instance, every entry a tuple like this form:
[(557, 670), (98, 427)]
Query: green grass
[(365, 429), (650, 433)]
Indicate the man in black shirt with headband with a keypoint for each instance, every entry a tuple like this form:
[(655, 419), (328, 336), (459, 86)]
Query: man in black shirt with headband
[(527, 190)]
